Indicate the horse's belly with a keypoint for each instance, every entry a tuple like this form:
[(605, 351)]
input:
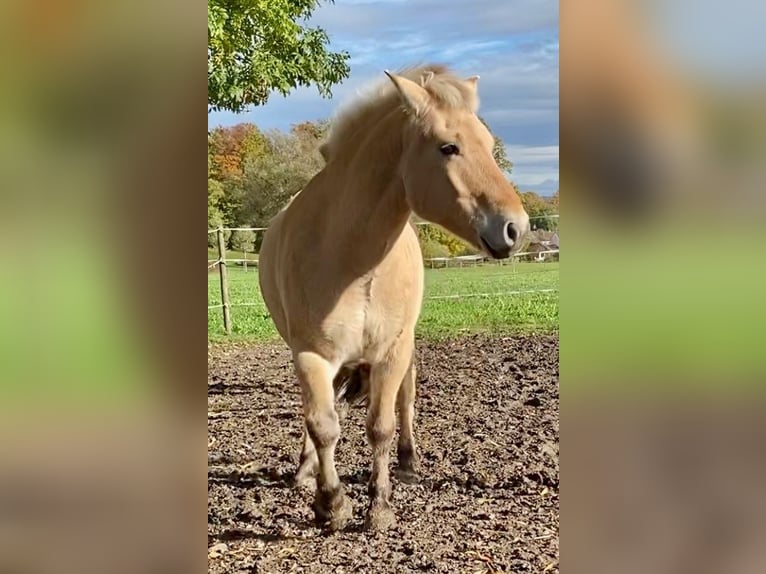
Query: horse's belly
[(369, 319), (345, 328)]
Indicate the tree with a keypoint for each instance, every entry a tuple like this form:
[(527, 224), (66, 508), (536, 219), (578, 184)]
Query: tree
[(255, 46), (538, 209), (431, 249), (313, 132), (448, 243), (242, 240), (498, 151), (215, 217), (229, 150), (272, 178), (500, 155), (230, 147)]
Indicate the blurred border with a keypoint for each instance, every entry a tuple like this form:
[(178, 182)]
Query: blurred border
[(663, 134), (102, 317)]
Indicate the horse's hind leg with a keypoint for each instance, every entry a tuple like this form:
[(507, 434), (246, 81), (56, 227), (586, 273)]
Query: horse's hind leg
[(315, 376), (385, 379), (406, 451), (309, 461)]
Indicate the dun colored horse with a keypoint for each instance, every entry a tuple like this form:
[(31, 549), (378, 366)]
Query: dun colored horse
[(341, 270)]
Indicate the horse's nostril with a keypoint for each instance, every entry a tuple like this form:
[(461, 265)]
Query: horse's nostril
[(511, 233)]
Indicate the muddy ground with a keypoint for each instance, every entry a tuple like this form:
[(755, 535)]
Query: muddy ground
[(487, 431)]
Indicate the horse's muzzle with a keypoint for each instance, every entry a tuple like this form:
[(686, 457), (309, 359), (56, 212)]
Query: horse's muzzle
[(501, 236)]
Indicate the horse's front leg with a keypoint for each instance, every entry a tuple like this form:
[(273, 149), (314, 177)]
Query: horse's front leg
[(385, 380), (309, 462), (315, 374)]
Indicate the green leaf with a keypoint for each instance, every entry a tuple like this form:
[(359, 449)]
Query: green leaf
[(257, 46)]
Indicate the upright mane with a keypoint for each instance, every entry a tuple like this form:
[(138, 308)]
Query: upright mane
[(378, 100)]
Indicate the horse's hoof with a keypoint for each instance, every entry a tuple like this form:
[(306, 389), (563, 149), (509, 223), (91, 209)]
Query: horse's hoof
[(407, 476), (341, 515), (337, 517), (379, 519)]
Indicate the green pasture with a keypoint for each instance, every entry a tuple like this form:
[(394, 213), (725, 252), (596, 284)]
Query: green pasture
[(492, 298)]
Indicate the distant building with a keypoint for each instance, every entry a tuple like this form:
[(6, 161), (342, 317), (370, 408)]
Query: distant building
[(539, 242)]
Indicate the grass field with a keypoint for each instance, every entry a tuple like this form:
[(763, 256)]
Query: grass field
[(493, 310)]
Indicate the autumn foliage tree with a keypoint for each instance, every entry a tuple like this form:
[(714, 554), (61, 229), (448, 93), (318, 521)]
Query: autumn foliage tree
[(437, 242), (270, 179), (231, 147), (554, 201), (229, 150), (253, 174), (539, 210)]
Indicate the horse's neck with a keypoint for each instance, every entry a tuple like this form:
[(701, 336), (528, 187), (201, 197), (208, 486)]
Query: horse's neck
[(370, 204)]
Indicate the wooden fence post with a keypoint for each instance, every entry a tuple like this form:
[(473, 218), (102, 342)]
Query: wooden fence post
[(224, 281)]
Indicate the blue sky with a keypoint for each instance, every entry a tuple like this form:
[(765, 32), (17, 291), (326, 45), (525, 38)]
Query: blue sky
[(512, 44)]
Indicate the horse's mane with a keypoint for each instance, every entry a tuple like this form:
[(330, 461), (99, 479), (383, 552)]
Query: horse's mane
[(445, 88)]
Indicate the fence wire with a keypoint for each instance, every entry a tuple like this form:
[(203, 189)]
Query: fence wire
[(437, 264)]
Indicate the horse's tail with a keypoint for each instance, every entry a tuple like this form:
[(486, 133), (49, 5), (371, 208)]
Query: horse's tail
[(352, 384)]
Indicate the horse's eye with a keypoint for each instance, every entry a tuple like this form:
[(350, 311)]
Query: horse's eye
[(449, 149)]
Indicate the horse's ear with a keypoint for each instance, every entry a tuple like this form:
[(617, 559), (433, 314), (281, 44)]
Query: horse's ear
[(413, 95), (473, 82)]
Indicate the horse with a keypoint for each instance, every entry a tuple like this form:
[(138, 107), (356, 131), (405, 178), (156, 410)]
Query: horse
[(341, 271)]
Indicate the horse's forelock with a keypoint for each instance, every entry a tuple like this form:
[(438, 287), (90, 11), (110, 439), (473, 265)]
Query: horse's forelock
[(445, 88)]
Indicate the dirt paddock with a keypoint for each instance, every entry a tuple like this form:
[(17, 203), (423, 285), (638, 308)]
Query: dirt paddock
[(487, 431)]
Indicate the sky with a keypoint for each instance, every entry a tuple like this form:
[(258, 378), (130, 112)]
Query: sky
[(513, 45)]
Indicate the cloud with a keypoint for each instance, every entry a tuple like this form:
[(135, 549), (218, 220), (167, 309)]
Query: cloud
[(512, 44), (519, 93), (534, 155), (450, 18), (535, 168)]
